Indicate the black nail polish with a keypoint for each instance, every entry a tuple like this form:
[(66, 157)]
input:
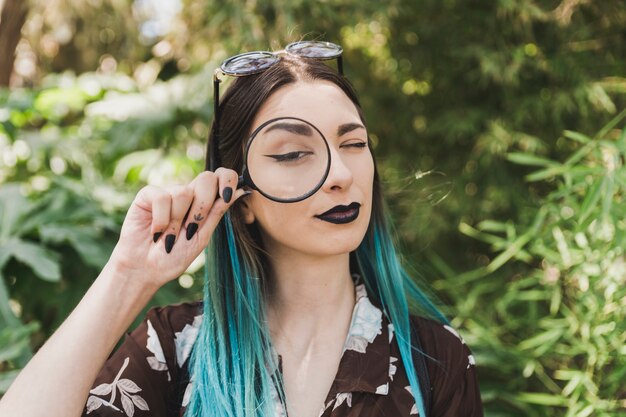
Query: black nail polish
[(191, 230), (227, 194), (156, 236), (169, 242)]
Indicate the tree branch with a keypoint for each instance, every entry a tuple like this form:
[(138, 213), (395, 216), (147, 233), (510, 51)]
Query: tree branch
[(11, 21)]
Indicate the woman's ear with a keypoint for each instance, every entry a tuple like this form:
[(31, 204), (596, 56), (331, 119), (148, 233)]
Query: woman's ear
[(246, 211)]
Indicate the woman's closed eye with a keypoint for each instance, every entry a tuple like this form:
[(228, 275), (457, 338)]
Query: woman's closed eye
[(355, 145), (290, 156)]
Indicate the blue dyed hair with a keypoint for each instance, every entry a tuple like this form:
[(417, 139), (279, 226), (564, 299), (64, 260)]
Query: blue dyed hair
[(231, 365)]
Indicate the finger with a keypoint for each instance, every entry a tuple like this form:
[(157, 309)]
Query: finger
[(204, 187), (182, 197), (227, 183), (220, 206), (157, 201)]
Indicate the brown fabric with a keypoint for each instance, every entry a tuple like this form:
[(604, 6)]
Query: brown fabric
[(147, 375)]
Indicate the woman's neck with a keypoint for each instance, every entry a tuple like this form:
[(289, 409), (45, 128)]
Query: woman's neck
[(312, 299)]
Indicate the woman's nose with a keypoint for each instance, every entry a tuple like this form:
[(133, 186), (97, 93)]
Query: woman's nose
[(339, 176)]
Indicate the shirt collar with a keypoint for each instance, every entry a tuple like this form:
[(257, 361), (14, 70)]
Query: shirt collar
[(365, 363)]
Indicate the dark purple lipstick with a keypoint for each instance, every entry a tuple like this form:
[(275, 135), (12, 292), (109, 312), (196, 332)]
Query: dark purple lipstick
[(341, 214)]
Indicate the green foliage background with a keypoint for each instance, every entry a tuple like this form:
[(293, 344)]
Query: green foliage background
[(498, 128)]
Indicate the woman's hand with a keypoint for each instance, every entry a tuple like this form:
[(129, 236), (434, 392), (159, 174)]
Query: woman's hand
[(57, 380), (166, 229)]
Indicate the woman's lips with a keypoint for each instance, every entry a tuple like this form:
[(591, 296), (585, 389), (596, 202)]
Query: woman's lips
[(341, 214)]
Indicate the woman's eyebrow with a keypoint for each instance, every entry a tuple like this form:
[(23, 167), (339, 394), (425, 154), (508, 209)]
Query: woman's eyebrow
[(348, 127), (297, 128)]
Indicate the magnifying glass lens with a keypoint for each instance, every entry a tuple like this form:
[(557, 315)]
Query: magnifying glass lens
[(287, 159)]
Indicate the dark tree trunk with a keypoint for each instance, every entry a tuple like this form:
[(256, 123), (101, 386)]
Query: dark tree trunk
[(11, 21)]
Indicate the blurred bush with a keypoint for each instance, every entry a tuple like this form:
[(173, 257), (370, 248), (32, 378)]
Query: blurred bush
[(553, 341), (74, 153)]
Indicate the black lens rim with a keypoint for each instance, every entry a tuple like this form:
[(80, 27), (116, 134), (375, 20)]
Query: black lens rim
[(247, 179)]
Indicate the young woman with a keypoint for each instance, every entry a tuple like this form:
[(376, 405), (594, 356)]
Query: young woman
[(306, 306)]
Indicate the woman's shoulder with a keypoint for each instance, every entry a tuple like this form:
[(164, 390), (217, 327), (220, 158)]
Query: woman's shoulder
[(174, 317), (175, 328), (451, 369), (176, 322), (443, 345)]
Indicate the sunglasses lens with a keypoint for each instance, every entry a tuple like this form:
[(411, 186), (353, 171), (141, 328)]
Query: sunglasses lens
[(248, 63), (314, 49)]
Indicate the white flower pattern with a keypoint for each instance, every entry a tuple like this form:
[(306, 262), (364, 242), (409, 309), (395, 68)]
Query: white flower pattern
[(392, 367), (187, 394), (185, 339), (278, 405), (367, 322), (156, 362), (343, 397), (128, 394), (383, 389), (414, 408)]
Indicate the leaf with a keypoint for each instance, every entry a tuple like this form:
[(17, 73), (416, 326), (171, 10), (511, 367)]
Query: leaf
[(573, 383), (590, 201), (579, 154), (610, 125), (42, 261), (518, 244), (542, 340), (578, 137), (102, 389), (140, 402), (128, 386), (6, 314), (529, 159), (6, 379), (93, 403), (128, 406), (492, 226), (542, 399), (547, 173), (91, 248), (15, 342), (13, 350), (13, 205), (5, 255), (479, 235), (155, 364)]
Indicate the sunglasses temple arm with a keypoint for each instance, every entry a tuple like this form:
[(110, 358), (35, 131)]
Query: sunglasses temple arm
[(340, 64), (214, 160)]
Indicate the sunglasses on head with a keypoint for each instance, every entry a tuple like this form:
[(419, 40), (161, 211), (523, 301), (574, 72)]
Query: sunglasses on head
[(250, 63)]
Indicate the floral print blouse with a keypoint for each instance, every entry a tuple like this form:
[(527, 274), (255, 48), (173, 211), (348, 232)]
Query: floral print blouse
[(148, 376)]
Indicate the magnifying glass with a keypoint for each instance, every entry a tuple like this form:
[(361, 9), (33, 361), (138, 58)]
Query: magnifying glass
[(287, 159)]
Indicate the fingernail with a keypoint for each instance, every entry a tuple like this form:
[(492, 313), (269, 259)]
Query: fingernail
[(156, 236), (227, 194), (191, 230), (169, 243)]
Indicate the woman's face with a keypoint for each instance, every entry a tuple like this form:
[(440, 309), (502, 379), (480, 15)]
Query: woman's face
[(305, 226)]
